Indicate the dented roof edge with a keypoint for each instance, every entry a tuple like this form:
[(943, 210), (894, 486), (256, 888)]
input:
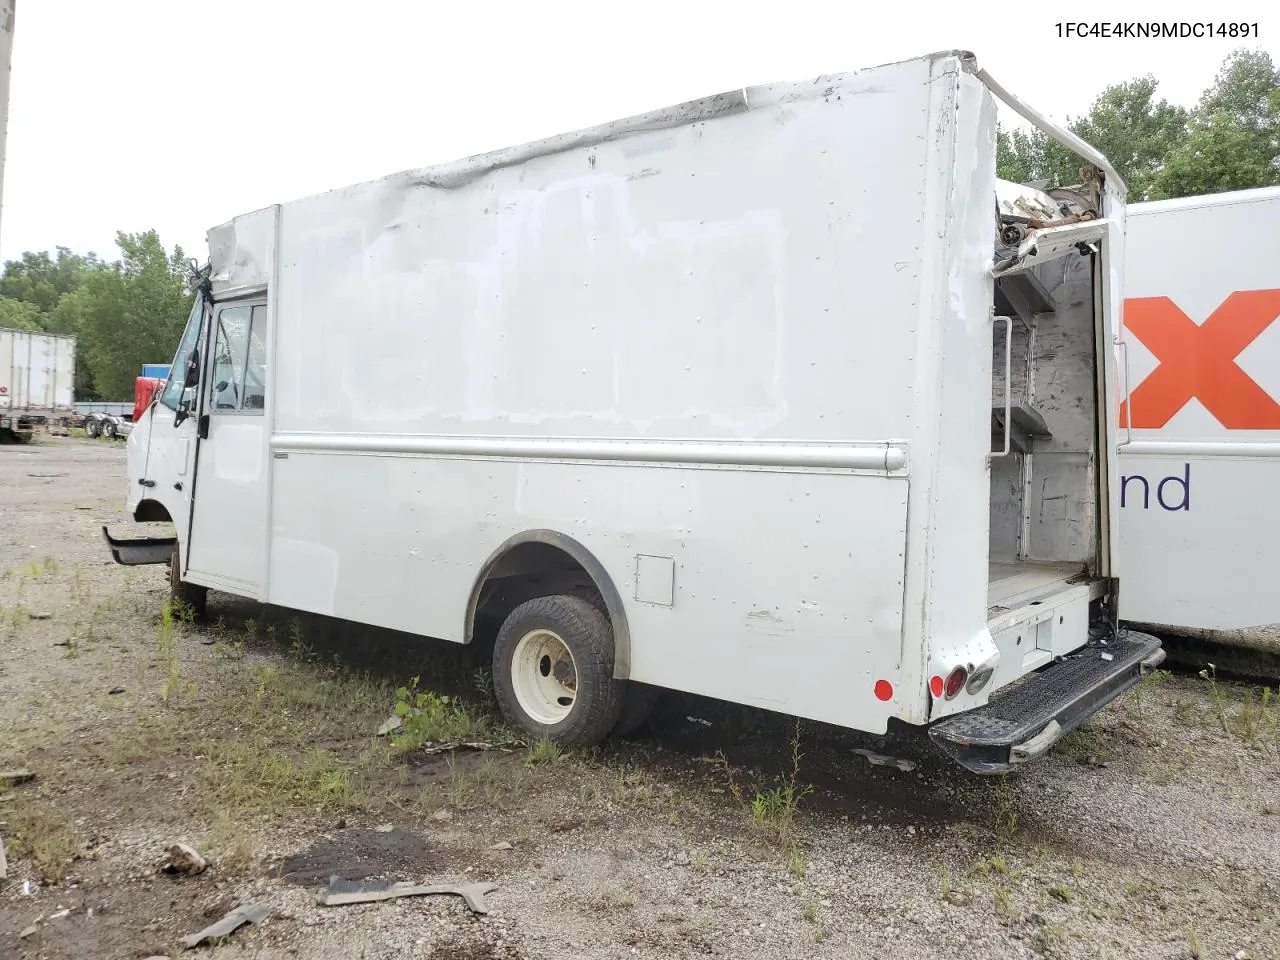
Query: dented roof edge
[(1033, 116)]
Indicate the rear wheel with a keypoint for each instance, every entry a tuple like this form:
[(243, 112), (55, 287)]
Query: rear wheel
[(189, 598), (109, 428), (553, 671), (92, 428)]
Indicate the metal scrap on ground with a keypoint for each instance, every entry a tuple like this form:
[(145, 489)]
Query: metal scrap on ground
[(472, 745), (229, 924), (882, 760), (342, 892), (11, 778)]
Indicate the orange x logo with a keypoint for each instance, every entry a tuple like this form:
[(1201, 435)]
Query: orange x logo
[(1199, 361)]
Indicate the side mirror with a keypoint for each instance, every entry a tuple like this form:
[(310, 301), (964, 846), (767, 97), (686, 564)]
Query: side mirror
[(191, 378)]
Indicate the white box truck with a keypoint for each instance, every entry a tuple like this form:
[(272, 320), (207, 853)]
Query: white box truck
[(37, 382), (740, 398), (1200, 429)]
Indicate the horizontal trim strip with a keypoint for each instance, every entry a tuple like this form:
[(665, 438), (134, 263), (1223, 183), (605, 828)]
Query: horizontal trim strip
[(1227, 449), (880, 457)]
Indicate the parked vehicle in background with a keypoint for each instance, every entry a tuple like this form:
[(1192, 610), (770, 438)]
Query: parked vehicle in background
[(1200, 429), (669, 418), (37, 383), (117, 423)]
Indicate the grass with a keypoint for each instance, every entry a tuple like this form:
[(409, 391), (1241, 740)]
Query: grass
[(1147, 683), (1061, 893), (228, 845), (170, 617), (1165, 764), (1194, 947), (546, 752), (615, 898), (1003, 904), (428, 718), (797, 866), (772, 812), (1050, 935), (257, 779), (1255, 720), (48, 840)]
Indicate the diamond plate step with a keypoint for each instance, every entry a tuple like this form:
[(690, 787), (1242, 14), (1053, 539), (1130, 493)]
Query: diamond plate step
[(1023, 721)]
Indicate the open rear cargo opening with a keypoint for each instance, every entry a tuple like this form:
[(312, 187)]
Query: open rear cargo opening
[(1045, 493)]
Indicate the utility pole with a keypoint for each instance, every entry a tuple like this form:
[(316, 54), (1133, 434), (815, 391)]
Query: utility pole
[(6, 51)]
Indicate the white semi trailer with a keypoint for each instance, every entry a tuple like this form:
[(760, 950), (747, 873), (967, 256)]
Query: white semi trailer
[(741, 397), (37, 382), (1200, 431)]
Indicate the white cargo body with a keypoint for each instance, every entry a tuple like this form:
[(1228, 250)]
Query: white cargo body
[(704, 400), (37, 381), (1200, 463)]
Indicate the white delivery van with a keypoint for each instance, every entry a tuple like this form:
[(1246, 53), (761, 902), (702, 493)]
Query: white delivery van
[(37, 382), (776, 397), (1200, 429)]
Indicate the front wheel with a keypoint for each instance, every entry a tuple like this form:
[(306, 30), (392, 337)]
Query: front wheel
[(553, 671), (189, 599)]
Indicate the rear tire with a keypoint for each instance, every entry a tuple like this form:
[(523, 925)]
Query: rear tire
[(109, 428), (553, 671), (190, 599), (92, 429)]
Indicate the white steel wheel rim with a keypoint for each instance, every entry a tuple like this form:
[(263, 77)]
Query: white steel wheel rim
[(544, 677)]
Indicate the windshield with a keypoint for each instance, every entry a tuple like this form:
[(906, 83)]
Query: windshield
[(174, 393)]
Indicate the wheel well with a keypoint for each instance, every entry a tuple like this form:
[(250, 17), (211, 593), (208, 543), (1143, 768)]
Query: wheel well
[(151, 511), (540, 563)]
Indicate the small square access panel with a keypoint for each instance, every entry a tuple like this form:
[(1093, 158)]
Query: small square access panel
[(655, 580)]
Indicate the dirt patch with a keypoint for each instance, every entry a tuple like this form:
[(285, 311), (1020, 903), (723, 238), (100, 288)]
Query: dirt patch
[(358, 854)]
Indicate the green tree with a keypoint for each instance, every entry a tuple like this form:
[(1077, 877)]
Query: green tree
[(1135, 131), (129, 313), (1131, 128), (42, 280), (1234, 142), (19, 315)]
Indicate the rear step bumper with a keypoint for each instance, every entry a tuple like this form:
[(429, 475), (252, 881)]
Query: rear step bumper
[(1026, 720), (135, 552)]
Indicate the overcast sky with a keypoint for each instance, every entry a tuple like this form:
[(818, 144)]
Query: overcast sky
[(180, 114)]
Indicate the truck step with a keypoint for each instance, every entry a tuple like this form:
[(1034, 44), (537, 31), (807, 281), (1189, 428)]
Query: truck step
[(139, 550), (1025, 720)]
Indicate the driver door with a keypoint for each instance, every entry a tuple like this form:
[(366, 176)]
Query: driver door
[(226, 548), (165, 438)]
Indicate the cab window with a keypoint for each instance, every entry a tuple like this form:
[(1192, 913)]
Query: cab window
[(239, 360)]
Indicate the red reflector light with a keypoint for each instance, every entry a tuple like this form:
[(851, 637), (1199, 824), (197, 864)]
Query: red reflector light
[(955, 681)]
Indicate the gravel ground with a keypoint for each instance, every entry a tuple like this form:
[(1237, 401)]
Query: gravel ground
[(1154, 831)]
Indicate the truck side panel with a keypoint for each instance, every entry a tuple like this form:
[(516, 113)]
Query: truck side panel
[(690, 349)]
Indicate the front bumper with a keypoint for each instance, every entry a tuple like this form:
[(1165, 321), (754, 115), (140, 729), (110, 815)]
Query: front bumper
[(1026, 719)]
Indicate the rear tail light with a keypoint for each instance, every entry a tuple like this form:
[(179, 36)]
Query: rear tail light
[(955, 682)]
